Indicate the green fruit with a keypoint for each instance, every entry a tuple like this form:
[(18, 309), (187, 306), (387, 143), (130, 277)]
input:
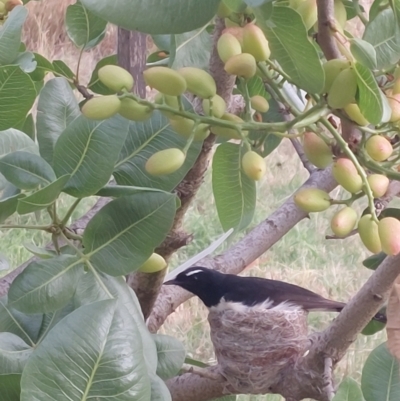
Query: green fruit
[(373, 327), (2, 9), (389, 234), (255, 42), (379, 184), (228, 46), (253, 165), (199, 82), (153, 264), (115, 78), (332, 69), (378, 148), (340, 13), (236, 31), (343, 221), (243, 65), (218, 106), (312, 200), (354, 113), (346, 175), (228, 133), (259, 103), (368, 231), (102, 107), (134, 111), (343, 89), (394, 103), (316, 150), (165, 80), (184, 127), (308, 11), (165, 161)]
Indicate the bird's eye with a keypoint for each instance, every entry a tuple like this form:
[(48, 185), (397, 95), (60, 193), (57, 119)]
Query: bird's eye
[(196, 277)]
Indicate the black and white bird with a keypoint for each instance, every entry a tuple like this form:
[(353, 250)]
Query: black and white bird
[(219, 290)]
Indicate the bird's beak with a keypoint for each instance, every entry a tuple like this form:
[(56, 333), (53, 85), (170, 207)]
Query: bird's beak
[(171, 282)]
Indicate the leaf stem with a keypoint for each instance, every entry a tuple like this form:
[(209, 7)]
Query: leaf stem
[(67, 216)]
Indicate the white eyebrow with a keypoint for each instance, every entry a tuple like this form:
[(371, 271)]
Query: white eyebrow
[(193, 272)]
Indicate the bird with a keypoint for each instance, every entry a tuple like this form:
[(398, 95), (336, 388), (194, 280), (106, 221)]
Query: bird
[(219, 291)]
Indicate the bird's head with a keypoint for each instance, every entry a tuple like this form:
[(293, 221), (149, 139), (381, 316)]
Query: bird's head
[(203, 282)]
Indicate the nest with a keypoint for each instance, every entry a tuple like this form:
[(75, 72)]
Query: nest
[(252, 348)]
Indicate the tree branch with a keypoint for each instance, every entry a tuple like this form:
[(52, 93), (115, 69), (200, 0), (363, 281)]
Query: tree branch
[(147, 286), (326, 20), (248, 249)]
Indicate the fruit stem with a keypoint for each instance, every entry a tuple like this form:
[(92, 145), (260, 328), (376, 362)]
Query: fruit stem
[(246, 95), (360, 14), (377, 168), (345, 147), (349, 201), (191, 137), (277, 69)]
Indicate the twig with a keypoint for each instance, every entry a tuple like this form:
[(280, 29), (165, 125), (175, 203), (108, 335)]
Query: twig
[(299, 150), (330, 392)]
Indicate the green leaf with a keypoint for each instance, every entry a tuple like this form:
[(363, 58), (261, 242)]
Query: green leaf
[(234, 192), (8, 206), (61, 69), (349, 390), (256, 86), (159, 390), (24, 326), (104, 350), (377, 7), (121, 236), (84, 28), (171, 355), (369, 98), (395, 4), (390, 212), (145, 139), (26, 61), (373, 261), (174, 16), (18, 93), (350, 9), (383, 33), (88, 150), (290, 46), (14, 353), (380, 378), (26, 170), (363, 52), (29, 127), (43, 66), (94, 84), (39, 252), (116, 191), (89, 290), (47, 285), (372, 328), (57, 108), (42, 198), (10, 35)]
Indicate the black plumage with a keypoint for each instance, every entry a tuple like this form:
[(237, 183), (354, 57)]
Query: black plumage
[(216, 289)]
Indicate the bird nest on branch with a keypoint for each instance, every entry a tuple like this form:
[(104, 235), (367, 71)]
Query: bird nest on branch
[(253, 348)]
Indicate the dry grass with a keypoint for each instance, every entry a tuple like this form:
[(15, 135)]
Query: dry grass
[(303, 256)]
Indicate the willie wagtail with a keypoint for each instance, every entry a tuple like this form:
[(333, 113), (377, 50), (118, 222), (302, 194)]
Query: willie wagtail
[(218, 290)]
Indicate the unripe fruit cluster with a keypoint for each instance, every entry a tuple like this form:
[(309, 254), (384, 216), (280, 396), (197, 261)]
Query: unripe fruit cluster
[(241, 48)]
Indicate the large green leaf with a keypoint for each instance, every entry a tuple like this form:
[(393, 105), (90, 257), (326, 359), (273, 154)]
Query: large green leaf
[(88, 150), (369, 98), (171, 355), (26, 327), (43, 198), (145, 139), (18, 94), (383, 33), (14, 353), (90, 290), (8, 206), (154, 16), (291, 47), (47, 285), (159, 390), (349, 390), (85, 29), (57, 108), (26, 170), (234, 192), (380, 378), (10, 35), (363, 52), (373, 261), (92, 353), (121, 237)]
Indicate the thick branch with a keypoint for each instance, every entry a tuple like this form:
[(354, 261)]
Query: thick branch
[(326, 20), (147, 286), (248, 249)]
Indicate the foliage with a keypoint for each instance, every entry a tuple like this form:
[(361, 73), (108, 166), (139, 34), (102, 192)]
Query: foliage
[(70, 326)]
